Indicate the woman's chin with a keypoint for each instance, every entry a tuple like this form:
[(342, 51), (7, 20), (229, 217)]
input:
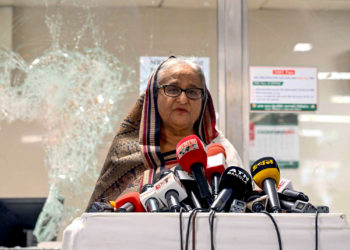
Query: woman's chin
[(179, 126)]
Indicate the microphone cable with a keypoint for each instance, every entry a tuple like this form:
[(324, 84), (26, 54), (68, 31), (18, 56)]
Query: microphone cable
[(316, 230), (194, 230), (189, 224), (211, 226), (180, 218), (276, 227)]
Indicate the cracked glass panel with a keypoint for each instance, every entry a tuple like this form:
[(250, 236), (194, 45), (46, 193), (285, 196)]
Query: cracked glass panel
[(75, 92), (69, 73)]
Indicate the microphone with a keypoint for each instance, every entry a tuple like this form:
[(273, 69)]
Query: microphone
[(285, 187), (98, 207), (192, 158), (298, 206), (170, 191), (216, 165), (322, 209), (238, 206), (266, 175), (162, 173), (129, 202), (149, 199), (257, 203), (186, 207), (235, 183), (190, 186)]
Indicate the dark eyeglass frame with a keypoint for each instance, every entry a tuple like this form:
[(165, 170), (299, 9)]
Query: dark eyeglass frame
[(164, 86)]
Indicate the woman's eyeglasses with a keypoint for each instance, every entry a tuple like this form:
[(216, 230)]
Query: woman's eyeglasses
[(175, 91)]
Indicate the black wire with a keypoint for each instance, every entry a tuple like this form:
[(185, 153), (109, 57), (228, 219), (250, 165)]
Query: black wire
[(194, 230), (211, 223), (189, 224), (276, 227), (316, 230), (180, 218), (188, 229)]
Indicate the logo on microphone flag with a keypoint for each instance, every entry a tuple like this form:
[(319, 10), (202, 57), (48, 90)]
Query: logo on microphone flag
[(186, 147), (239, 174)]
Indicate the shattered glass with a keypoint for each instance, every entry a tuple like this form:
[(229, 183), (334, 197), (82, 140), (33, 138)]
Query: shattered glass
[(75, 92)]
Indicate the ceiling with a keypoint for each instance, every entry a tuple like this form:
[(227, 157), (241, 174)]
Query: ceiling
[(252, 4)]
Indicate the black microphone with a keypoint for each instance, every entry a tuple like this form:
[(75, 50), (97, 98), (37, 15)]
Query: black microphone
[(235, 183), (266, 175), (190, 185), (298, 206), (98, 207), (296, 195), (285, 187)]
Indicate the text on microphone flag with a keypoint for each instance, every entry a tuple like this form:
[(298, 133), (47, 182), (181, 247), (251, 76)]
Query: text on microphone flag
[(239, 174), (186, 147), (263, 163)]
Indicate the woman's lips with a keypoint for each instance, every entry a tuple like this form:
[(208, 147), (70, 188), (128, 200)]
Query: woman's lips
[(182, 111)]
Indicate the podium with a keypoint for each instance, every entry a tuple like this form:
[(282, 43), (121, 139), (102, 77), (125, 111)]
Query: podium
[(241, 231)]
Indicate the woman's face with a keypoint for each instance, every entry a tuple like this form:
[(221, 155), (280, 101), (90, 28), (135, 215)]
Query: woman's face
[(179, 113)]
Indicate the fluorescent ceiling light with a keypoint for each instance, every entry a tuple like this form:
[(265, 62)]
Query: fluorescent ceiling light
[(334, 75), (311, 133), (325, 118), (31, 138), (340, 99), (302, 47)]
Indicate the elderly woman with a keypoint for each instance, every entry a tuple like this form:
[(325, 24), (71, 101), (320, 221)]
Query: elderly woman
[(176, 104)]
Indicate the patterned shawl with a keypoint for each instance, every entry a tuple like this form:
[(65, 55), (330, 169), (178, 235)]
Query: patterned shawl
[(134, 156)]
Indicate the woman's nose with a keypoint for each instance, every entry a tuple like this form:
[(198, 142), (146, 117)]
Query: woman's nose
[(182, 97)]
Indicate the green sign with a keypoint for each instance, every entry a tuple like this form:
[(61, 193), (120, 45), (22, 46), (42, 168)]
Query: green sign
[(267, 83), (282, 107)]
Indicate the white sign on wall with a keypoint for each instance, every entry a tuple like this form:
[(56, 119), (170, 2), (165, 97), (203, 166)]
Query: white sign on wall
[(283, 88), (279, 141), (149, 63)]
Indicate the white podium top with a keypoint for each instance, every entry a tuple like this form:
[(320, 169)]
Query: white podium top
[(231, 231)]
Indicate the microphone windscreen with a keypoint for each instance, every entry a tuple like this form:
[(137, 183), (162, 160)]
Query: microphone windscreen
[(216, 162), (263, 169), (238, 180), (215, 149), (190, 150), (133, 197)]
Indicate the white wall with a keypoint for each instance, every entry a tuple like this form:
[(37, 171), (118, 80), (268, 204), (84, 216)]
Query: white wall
[(6, 27)]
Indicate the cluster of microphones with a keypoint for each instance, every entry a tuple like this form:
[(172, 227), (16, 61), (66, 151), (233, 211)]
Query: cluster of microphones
[(202, 180)]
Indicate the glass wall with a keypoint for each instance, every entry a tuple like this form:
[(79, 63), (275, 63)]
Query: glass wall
[(312, 147), (69, 72)]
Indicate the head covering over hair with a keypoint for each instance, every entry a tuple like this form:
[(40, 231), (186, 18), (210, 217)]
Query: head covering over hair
[(134, 156)]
